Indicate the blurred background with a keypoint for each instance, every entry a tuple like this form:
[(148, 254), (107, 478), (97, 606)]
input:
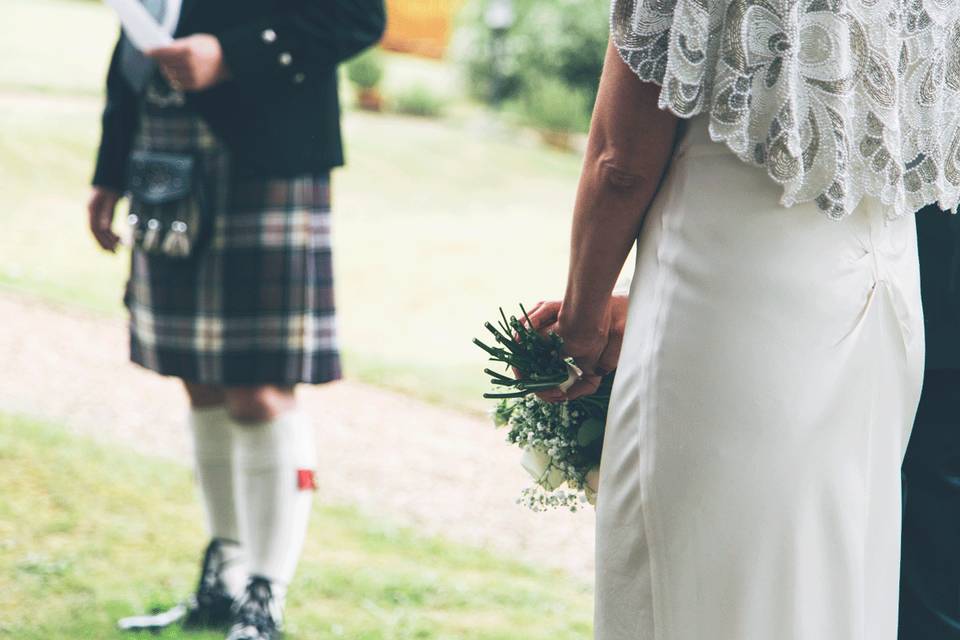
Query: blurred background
[(464, 134)]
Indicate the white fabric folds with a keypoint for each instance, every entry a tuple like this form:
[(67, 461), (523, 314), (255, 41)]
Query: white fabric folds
[(769, 376), (837, 99)]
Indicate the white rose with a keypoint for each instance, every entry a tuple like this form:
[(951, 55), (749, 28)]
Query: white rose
[(540, 466)]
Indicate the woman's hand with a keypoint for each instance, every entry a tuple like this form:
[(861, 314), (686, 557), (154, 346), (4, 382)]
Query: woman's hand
[(100, 208), (595, 349), (193, 63)]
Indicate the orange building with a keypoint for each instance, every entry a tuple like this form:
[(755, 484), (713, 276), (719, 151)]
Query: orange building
[(420, 26)]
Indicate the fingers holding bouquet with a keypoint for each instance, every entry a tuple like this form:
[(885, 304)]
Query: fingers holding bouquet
[(555, 405), (617, 322), (542, 318), (585, 344), (595, 350)]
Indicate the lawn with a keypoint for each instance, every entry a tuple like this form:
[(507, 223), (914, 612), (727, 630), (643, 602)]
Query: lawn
[(437, 223), (90, 533), (55, 45)]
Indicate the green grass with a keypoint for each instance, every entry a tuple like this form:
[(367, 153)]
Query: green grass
[(436, 224), (55, 45), (90, 533), (45, 150)]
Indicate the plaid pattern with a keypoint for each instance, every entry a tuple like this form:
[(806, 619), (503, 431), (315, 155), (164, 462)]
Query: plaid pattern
[(255, 305)]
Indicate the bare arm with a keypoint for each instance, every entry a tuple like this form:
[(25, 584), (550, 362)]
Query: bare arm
[(630, 145)]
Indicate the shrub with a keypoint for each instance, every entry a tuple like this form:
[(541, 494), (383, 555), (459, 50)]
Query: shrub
[(419, 100), (562, 41), (367, 69), (551, 105)]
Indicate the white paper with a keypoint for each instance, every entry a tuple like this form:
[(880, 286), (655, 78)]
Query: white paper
[(142, 30), (172, 16)]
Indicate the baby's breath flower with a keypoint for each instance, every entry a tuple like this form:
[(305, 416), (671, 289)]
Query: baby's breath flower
[(552, 428)]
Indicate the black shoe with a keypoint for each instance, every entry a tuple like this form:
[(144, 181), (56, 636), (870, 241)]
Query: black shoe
[(257, 613), (211, 607)]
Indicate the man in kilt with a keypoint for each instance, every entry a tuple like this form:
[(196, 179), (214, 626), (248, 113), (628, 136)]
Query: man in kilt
[(233, 292)]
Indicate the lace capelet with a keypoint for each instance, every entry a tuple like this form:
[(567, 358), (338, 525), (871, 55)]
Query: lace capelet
[(837, 99)]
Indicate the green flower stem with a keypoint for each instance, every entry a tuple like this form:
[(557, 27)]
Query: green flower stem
[(503, 339), (499, 376), (502, 396)]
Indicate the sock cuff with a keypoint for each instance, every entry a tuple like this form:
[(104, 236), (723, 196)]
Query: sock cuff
[(212, 432), (287, 440)]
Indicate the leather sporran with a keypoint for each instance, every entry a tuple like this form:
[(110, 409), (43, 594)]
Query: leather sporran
[(169, 203)]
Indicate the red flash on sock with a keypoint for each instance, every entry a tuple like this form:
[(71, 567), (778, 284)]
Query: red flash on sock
[(306, 480)]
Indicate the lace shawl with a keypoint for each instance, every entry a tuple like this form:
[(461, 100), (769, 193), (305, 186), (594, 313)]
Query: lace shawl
[(837, 99)]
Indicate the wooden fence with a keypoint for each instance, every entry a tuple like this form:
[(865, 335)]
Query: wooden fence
[(420, 26)]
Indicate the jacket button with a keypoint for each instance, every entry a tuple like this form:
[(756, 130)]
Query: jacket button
[(285, 59), (299, 78), (269, 36)]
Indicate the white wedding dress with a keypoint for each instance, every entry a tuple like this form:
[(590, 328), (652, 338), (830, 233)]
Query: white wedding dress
[(750, 483), (773, 357)]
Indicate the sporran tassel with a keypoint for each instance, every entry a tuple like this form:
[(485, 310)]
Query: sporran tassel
[(177, 242), (136, 230), (151, 237)]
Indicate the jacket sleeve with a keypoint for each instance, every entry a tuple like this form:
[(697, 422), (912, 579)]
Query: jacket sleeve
[(119, 125), (309, 35)]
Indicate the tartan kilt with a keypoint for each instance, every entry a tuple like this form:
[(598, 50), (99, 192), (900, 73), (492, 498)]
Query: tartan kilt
[(254, 304)]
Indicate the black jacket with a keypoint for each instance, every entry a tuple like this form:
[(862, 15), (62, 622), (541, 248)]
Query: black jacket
[(938, 238), (279, 114)]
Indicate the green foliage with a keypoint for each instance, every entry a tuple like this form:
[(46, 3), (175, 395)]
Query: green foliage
[(94, 533), (536, 359), (419, 100), (561, 42), (367, 69), (590, 431), (563, 441), (552, 105)]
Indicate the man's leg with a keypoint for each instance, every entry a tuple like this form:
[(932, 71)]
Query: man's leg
[(212, 432), (223, 576), (930, 575), (213, 445), (275, 462)]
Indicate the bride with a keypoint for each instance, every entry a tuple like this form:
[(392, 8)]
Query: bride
[(767, 153)]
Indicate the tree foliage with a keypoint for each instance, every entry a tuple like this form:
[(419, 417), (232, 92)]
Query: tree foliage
[(552, 42)]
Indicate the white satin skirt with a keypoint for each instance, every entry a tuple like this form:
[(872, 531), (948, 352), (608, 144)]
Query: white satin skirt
[(772, 365)]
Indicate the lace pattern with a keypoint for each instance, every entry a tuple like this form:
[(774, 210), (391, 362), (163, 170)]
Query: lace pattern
[(837, 99)]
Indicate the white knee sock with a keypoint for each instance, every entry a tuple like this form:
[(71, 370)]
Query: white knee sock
[(212, 430), (274, 481)]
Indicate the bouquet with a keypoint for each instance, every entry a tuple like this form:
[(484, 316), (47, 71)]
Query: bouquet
[(561, 442)]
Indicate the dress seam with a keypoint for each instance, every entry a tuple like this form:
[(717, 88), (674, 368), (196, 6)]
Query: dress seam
[(645, 432), (866, 519)]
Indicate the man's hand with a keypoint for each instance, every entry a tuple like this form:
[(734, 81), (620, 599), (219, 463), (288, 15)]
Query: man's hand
[(100, 207), (193, 63), (599, 354)]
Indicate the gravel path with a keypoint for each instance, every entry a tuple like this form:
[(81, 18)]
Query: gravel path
[(438, 470)]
